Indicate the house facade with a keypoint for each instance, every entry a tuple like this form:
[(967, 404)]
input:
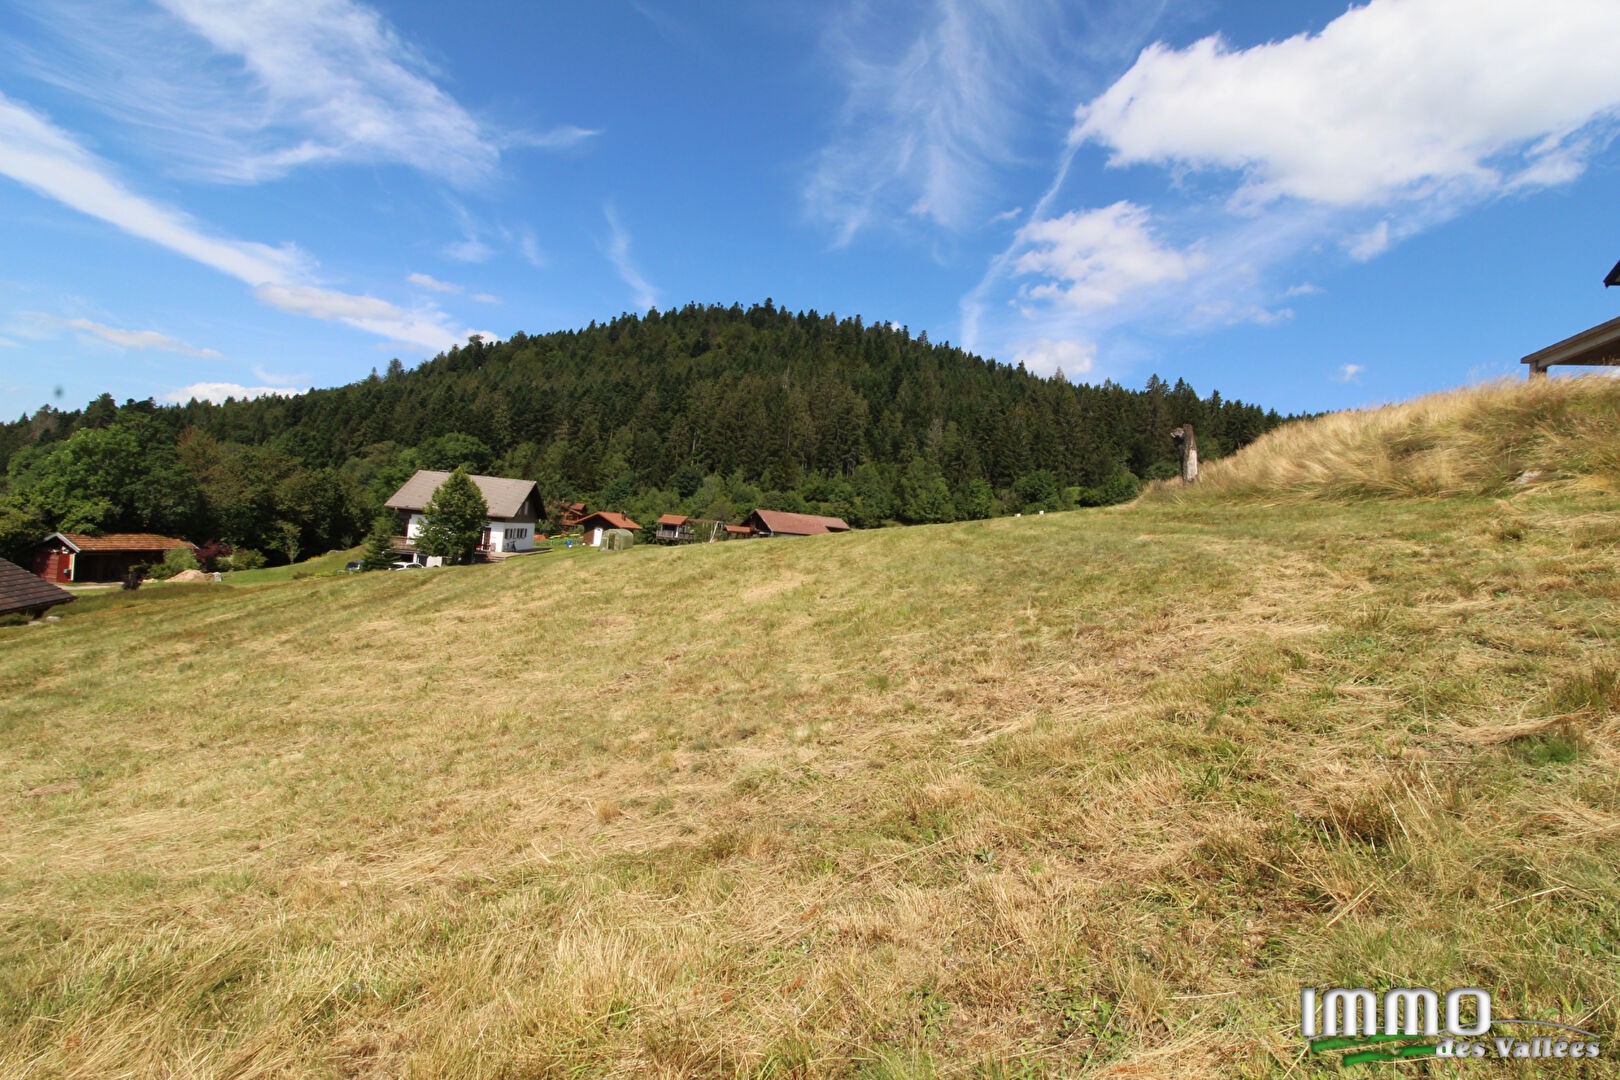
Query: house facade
[(514, 510), (80, 557), (675, 529)]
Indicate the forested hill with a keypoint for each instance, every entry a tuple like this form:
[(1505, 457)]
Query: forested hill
[(705, 410)]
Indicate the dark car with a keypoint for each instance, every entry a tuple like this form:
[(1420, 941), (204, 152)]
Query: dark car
[(353, 566)]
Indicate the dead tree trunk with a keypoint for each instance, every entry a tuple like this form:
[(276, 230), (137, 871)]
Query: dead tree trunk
[(1189, 453)]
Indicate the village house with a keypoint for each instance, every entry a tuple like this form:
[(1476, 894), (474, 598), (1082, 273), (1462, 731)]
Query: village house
[(80, 557), (23, 592), (674, 529), (781, 523), (514, 510), (592, 526)]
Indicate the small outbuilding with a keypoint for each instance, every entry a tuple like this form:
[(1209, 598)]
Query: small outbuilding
[(80, 557), (674, 529), (592, 526), (781, 523), (23, 592)]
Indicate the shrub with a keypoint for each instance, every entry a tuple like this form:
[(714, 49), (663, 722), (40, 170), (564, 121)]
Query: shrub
[(174, 561), (246, 559)]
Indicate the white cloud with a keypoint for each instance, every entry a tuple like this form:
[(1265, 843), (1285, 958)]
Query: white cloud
[(485, 298), (1304, 288), (1092, 259), (618, 253), (563, 137), (368, 313), (129, 339), (1370, 244), (44, 158), (432, 284), (1045, 356), (219, 391), (1350, 373), (469, 249), (1392, 101)]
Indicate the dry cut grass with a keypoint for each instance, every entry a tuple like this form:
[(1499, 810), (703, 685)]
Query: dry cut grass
[(1077, 795), (1484, 440)]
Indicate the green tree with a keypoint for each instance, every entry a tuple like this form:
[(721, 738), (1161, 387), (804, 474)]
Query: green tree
[(380, 543), (453, 520)]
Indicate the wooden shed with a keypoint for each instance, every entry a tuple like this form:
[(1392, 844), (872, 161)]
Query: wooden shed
[(782, 523), (79, 557), (23, 592)]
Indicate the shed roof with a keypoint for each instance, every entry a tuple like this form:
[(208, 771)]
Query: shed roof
[(610, 519), (780, 521), (503, 496), (674, 519), (22, 591), (118, 541)]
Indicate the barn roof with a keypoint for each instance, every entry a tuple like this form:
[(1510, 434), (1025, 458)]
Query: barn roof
[(610, 519), (22, 591), (118, 541), (780, 521), (502, 495), (674, 519)]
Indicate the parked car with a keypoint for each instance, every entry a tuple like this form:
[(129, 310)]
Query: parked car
[(353, 566), (406, 566)]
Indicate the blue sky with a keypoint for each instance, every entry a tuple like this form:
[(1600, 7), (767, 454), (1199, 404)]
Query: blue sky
[(1301, 204)]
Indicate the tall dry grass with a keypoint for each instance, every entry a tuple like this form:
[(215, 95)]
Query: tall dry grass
[(1482, 440)]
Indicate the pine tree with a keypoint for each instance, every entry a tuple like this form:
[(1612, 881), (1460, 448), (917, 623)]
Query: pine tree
[(380, 543), (453, 520)]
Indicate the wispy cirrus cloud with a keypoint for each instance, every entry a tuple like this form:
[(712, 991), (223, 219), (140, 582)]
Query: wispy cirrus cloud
[(250, 91), (927, 118), (618, 253), (41, 156), (127, 339)]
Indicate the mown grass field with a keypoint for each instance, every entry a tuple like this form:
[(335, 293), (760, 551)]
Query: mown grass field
[(1087, 794)]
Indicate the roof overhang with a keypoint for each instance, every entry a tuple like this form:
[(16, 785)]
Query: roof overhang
[(64, 539), (1597, 347), (1614, 276)]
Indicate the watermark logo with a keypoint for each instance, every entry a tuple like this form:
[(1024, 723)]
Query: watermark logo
[(1358, 1019)]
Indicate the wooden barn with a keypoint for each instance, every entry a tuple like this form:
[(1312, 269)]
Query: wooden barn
[(78, 557), (781, 523), (23, 592)]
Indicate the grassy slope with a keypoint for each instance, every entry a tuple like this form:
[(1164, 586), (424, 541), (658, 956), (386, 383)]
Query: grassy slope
[(1076, 794)]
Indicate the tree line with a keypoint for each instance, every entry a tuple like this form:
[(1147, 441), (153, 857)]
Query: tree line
[(705, 410)]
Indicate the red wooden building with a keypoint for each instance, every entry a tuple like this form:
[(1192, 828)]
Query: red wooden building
[(77, 557)]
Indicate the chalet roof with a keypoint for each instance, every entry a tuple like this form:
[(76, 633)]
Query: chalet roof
[(503, 496), (22, 591), (780, 521), (674, 519), (118, 541), (610, 520), (738, 530), (1614, 276)]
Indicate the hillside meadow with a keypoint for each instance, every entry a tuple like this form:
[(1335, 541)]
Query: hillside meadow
[(1084, 794)]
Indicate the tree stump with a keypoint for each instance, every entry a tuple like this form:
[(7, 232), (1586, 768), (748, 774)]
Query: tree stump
[(1189, 452)]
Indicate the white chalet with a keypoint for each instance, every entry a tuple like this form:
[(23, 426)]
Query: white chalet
[(514, 509)]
